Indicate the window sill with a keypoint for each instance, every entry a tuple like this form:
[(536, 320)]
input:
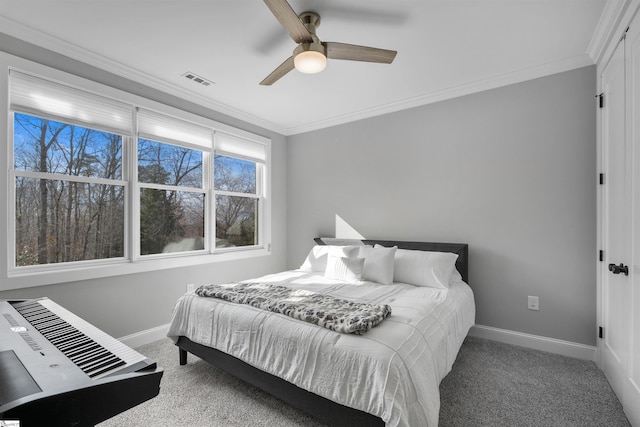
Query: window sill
[(26, 279)]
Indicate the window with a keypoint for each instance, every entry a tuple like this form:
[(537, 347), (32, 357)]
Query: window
[(172, 158), (69, 195), (238, 170), (95, 180), (171, 219), (69, 191)]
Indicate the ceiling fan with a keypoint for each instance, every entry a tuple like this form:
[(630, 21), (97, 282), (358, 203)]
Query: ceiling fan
[(310, 55)]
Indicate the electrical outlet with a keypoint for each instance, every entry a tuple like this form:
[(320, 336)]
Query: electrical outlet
[(190, 287), (532, 303)]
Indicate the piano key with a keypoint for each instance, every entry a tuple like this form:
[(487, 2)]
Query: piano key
[(115, 363), (36, 321), (74, 342), (59, 390), (34, 314), (78, 354), (102, 361), (90, 357), (65, 330), (28, 305), (79, 350), (62, 329), (94, 368), (50, 320), (29, 312), (51, 325), (63, 336), (87, 360), (99, 358)]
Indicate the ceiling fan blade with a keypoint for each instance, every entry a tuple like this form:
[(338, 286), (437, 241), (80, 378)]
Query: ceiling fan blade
[(276, 74), (352, 52), (289, 20)]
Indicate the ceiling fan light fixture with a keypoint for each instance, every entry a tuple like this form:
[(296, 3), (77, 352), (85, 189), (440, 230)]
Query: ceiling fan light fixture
[(309, 58), (310, 55)]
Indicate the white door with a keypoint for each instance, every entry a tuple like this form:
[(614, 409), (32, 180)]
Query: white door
[(631, 399), (616, 225)]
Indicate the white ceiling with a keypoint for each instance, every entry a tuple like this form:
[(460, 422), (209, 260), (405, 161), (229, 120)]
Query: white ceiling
[(446, 48)]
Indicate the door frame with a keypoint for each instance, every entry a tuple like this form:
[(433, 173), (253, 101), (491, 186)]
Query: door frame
[(617, 161), (625, 10), (629, 392)]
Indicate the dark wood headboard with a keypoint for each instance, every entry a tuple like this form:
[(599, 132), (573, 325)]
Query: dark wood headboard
[(462, 249)]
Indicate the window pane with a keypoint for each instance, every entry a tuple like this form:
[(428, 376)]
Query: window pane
[(234, 175), (171, 221), (168, 164), (42, 145), (236, 221), (63, 221)]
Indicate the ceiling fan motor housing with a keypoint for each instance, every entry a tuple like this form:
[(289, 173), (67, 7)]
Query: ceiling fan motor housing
[(310, 19)]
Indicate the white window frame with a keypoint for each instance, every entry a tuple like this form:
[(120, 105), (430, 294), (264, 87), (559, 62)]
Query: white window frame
[(178, 141), (259, 157), (22, 277)]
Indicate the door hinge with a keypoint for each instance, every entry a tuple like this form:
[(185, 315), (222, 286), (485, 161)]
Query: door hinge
[(601, 255), (600, 99), (600, 332), (624, 35), (601, 179)]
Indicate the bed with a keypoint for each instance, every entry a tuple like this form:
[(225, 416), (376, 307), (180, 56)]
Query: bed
[(388, 375)]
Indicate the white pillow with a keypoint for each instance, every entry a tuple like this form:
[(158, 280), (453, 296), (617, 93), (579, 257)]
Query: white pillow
[(378, 263), (455, 276), (424, 268), (344, 268), (317, 258)]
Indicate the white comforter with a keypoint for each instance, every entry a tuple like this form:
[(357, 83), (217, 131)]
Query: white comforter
[(393, 371)]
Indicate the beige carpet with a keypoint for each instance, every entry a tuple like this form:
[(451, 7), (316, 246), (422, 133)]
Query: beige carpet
[(199, 395), (492, 384)]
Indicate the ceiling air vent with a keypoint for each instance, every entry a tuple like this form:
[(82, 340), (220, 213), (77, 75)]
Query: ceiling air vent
[(196, 78)]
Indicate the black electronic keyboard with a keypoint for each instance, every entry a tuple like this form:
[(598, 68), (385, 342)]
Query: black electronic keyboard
[(56, 369)]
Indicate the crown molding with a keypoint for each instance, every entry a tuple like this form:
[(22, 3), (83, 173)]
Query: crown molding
[(450, 93), (607, 28), (72, 51)]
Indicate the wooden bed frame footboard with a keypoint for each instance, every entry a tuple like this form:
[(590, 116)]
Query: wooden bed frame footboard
[(325, 410)]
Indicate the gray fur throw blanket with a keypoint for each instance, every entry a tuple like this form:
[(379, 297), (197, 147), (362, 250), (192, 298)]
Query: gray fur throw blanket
[(323, 310)]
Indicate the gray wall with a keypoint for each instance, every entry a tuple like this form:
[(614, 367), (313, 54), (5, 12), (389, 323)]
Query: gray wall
[(126, 304), (510, 171)]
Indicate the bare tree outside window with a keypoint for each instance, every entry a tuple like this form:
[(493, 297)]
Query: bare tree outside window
[(236, 201), (103, 182), (66, 219), (81, 217), (170, 220)]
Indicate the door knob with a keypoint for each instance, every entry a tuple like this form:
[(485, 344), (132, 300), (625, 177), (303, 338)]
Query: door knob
[(617, 269)]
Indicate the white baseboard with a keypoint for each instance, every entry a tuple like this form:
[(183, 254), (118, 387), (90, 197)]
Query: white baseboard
[(551, 345), (145, 337)]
